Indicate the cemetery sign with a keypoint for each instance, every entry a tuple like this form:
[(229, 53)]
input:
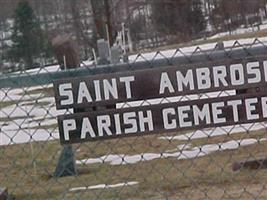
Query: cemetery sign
[(86, 93)]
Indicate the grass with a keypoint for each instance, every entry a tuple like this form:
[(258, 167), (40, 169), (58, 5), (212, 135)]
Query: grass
[(8, 119), (45, 91), (157, 179), (4, 104), (27, 169), (41, 104)]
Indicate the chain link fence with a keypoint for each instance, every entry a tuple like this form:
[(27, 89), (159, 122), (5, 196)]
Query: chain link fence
[(201, 164)]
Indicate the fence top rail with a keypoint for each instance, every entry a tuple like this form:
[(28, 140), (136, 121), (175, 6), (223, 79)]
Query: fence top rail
[(28, 80)]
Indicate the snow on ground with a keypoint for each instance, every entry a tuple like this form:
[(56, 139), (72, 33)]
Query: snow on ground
[(52, 68), (37, 110), (21, 94), (16, 95), (180, 147), (24, 120), (21, 136), (31, 110), (184, 51), (241, 30), (195, 152), (46, 69), (104, 186), (25, 124), (218, 131), (187, 51)]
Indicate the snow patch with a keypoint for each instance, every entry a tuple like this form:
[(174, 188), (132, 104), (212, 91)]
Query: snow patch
[(187, 51), (103, 186), (181, 154), (218, 131), (21, 136)]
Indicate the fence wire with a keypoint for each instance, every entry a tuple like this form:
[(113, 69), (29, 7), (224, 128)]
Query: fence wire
[(199, 164)]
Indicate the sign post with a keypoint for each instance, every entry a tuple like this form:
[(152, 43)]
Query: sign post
[(65, 49)]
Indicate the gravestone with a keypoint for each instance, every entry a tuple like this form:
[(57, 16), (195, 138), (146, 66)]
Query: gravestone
[(103, 51), (115, 54), (220, 45), (66, 52)]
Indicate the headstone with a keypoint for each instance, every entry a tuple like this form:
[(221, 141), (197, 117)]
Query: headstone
[(125, 58), (103, 51), (220, 45), (66, 52), (115, 54), (130, 42)]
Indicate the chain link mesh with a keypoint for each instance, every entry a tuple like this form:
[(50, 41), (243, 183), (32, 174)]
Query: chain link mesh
[(181, 165)]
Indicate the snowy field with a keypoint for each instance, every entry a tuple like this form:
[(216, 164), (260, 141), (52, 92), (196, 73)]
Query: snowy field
[(28, 115), (170, 53)]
